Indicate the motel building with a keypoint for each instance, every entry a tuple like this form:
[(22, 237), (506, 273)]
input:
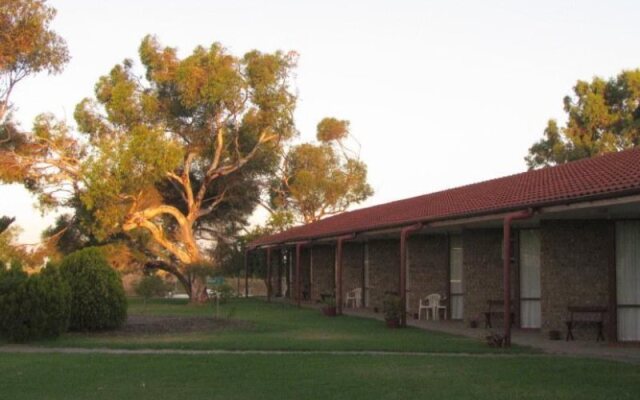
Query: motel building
[(554, 249)]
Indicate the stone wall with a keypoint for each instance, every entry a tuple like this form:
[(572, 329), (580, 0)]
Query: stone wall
[(575, 260), (482, 271), (384, 265), (428, 268)]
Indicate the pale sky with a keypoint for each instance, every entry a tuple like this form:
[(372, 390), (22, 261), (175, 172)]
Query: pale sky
[(439, 93)]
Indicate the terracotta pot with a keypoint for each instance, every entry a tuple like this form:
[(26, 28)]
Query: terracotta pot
[(329, 311), (392, 323)]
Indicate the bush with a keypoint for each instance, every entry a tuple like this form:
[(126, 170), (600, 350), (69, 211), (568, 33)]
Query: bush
[(392, 307), (97, 295), (329, 301), (329, 306), (225, 292), (151, 286), (33, 307)]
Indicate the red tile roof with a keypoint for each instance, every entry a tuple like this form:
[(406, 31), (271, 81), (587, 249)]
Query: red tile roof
[(606, 176)]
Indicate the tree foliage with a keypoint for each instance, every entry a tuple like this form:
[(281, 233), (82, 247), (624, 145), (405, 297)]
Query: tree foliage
[(602, 116), (230, 254), (69, 233), (178, 155), (318, 180), (27, 45), (11, 253), (8, 250), (151, 286)]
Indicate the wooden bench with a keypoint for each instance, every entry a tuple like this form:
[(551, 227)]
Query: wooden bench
[(586, 316), (496, 307)]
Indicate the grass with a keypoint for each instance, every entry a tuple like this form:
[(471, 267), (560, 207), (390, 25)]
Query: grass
[(299, 375), (99, 376), (279, 326)]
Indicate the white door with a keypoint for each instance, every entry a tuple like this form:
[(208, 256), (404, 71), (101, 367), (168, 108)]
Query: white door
[(456, 287), (628, 280), (530, 278)]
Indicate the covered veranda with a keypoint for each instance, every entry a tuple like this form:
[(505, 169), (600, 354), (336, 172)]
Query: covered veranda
[(511, 241)]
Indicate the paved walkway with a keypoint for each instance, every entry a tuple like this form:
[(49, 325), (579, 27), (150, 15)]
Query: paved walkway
[(577, 348)]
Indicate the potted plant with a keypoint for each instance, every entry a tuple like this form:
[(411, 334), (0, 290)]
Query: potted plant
[(496, 340), (555, 335), (392, 310), (329, 306)]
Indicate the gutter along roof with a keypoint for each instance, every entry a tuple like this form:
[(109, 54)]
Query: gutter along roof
[(607, 176)]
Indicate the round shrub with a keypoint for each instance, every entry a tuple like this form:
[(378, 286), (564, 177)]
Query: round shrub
[(33, 307), (97, 295)]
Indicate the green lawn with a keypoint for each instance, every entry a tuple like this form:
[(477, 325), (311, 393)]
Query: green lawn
[(298, 375), (279, 326), (58, 376)]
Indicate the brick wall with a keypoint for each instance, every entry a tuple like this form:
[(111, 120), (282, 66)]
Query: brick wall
[(323, 271), (305, 272), (384, 265), (428, 268), (352, 267), (482, 271), (276, 259), (575, 257)]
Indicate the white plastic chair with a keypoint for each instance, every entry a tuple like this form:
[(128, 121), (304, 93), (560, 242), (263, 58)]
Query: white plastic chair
[(424, 305), (355, 297), (431, 303)]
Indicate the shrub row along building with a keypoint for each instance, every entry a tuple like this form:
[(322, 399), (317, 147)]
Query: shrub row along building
[(539, 244)]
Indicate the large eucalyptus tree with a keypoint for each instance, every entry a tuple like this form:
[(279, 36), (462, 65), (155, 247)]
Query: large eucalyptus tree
[(171, 155)]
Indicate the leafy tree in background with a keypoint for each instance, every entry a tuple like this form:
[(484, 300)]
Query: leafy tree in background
[(318, 180), (27, 45), (8, 251), (314, 181), (230, 254), (165, 155), (13, 253), (71, 234), (603, 116), (151, 286)]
